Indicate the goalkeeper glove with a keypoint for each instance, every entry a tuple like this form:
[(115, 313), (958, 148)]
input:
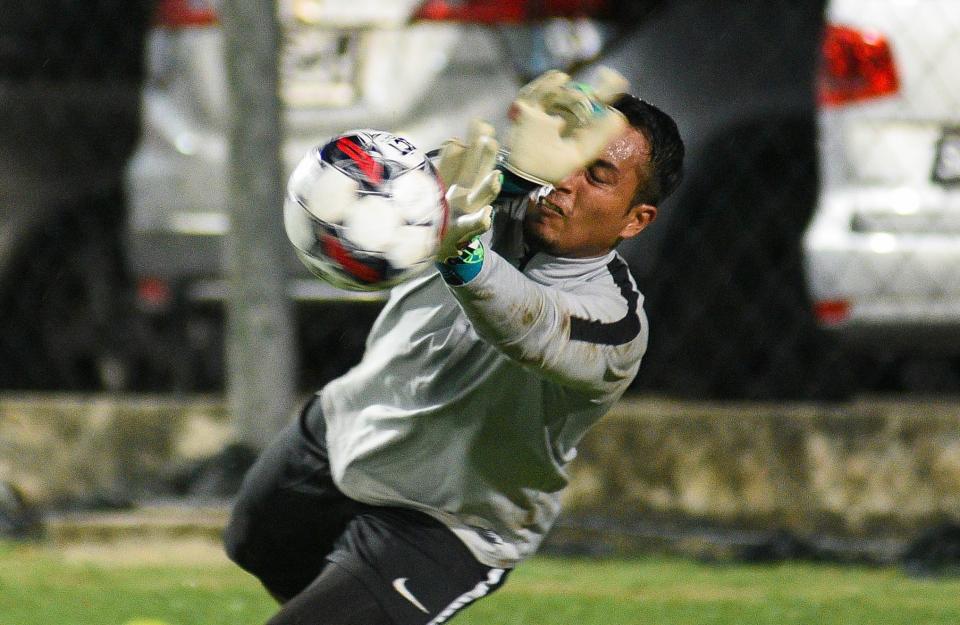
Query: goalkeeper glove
[(468, 171), (559, 125)]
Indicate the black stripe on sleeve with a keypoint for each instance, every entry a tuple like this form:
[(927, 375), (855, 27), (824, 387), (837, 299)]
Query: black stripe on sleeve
[(616, 332)]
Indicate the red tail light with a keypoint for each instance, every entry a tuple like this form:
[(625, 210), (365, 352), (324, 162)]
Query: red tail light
[(185, 13), (856, 65), (832, 312), (154, 294), (507, 11)]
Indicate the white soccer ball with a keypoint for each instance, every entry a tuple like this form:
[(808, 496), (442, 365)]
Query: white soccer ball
[(366, 210)]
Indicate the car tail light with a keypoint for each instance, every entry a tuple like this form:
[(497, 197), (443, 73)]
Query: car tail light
[(507, 11), (185, 13), (831, 312), (154, 294), (857, 65)]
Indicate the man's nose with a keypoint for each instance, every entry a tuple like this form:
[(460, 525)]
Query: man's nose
[(569, 182)]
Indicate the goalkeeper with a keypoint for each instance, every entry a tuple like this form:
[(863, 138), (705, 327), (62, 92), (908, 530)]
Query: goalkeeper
[(410, 486)]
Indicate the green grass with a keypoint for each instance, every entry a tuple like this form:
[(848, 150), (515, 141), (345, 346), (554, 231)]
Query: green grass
[(43, 586)]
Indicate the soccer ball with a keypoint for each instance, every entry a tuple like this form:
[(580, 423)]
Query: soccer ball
[(365, 211)]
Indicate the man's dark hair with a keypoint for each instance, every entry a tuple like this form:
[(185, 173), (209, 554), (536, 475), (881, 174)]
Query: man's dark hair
[(666, 148)]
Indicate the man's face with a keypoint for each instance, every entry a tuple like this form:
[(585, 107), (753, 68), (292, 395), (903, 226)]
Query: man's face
[(590, 210)]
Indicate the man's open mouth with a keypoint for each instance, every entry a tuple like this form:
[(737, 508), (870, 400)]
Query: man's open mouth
[(551, 206)]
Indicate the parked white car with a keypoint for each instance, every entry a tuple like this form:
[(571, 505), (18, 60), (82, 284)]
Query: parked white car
[(882, 251), (419, 69)]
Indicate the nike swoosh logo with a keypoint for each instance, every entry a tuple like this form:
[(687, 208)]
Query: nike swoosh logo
[(400, 585)]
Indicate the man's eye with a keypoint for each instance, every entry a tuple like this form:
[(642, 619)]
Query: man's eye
[(599, 175)]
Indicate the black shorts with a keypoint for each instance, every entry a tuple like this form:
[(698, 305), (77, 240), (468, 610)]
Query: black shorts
[(336, 561)]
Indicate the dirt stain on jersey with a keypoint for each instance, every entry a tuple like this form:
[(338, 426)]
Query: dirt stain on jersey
[(525, 314), (484, 294)]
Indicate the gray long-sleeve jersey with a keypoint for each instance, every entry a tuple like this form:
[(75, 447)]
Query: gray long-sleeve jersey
[(469, 400)]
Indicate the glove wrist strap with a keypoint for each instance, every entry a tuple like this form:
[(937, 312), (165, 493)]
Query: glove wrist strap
[(464, 267)]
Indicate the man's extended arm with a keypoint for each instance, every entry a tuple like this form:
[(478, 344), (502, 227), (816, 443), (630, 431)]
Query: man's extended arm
[(590, 338)]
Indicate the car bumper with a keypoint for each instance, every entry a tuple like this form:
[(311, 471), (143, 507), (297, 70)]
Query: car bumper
[(883, 267)]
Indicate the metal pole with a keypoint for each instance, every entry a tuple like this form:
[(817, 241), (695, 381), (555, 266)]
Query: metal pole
[(260, 354)]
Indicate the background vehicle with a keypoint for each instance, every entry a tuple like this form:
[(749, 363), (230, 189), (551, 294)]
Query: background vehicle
[(419, 69), (883, 249)]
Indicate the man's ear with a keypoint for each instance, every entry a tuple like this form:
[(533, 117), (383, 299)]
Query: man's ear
[(641, 216)]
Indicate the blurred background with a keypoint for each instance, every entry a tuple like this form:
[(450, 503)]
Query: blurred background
[(810, 257), (801, 120)]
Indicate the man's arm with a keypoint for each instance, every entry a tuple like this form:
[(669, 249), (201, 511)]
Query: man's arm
[(591, 340)]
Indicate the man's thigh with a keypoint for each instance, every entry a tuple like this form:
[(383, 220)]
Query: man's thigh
[(393, 567), (288, 514)]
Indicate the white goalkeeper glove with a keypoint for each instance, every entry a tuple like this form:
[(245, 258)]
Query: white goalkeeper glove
[(468, 171), (559, 125)]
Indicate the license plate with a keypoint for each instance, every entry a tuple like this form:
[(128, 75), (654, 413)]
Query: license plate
[(946, 170), (318, 67)]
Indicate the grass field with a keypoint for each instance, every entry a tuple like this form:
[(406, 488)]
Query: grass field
[(188, 583)]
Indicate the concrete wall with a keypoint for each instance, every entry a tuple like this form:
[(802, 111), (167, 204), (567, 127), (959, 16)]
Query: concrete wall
[(867, 469), (58, 448), (861, 470)]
